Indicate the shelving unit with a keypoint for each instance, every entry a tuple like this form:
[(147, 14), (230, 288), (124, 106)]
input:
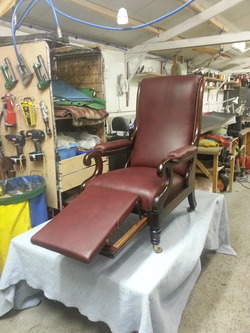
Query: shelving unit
[(78, 69), (215, 83)]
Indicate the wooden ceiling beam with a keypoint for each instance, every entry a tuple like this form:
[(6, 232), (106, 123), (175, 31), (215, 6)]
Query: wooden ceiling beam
[(226, 38), (190, 23), (205, 50), (199, 9), (112, 14), (194, 21)]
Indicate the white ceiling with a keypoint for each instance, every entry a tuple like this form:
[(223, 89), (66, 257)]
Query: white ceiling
[(209, 24)]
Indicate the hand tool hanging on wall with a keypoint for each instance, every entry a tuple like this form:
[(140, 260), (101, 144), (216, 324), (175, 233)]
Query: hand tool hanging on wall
[(8, 111), (6, 166), (18, 141), (28, 111), (37, 136), (41, 74), (8, 73), (24, 72), (45, 118)]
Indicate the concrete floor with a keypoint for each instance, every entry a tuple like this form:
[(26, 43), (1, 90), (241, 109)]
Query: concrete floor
[(219, 302)]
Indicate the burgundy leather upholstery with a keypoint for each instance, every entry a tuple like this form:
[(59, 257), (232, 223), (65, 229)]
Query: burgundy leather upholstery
[(80, 232), (166, 111), (138, 180), (159, 175), (164, 125)]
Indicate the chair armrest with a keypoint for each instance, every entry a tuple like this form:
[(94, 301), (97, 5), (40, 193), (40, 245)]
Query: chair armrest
[(165, 168), (175, 157), (113, 147), (183, 154), (101, 150)]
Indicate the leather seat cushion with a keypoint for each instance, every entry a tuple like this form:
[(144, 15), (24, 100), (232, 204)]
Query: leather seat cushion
[(138, 180), (81, 229)]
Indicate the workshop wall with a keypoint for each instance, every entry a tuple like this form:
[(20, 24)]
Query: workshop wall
[(114, 65)]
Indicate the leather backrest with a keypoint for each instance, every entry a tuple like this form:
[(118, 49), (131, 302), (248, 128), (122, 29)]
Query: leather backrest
[(167, 117)]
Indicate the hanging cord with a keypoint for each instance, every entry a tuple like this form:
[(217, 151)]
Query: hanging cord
[(13, 29), (59, 32), (124, 29), (242, 180), (15, 25), (26, 12)]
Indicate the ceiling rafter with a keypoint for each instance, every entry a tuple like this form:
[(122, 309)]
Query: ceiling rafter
[(190, 23), (205, 15), (199, 9), (226, 38), (110, 13)]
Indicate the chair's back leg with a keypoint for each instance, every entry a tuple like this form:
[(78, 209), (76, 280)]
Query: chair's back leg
[(192, 201)]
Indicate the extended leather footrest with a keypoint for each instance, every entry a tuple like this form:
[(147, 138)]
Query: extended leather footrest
[(81, 229)]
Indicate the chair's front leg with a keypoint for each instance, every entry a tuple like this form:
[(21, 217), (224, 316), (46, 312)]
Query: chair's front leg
[(155, 232)]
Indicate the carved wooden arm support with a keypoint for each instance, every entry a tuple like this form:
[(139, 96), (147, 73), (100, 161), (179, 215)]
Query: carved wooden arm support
[(165, 168), (175, 157), (101, 150)]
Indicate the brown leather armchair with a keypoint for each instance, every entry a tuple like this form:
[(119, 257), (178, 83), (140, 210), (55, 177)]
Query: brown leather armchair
[(158, 176), (163, 149)]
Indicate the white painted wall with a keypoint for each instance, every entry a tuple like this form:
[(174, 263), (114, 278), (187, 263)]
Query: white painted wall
[(212, 100), (114, 64)]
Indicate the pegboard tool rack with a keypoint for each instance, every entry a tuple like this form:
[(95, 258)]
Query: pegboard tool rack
[(80, 67)]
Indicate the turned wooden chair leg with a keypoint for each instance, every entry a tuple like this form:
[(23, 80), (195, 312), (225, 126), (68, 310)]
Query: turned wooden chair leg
[(192, 202), (155, 234)]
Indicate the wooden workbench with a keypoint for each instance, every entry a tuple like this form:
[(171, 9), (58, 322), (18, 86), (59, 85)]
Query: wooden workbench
[(212, 173), (245, 144)]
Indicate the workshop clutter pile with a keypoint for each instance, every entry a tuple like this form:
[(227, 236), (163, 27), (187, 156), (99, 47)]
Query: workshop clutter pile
[(221, 137), (81, 105), (27, 114), (47, 90), (83, 108)]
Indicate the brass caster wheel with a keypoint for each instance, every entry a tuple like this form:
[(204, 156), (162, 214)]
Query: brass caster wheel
[(157, 249)]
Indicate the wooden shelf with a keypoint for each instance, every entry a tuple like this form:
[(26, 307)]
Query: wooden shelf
[(147, 74), (208, 78)]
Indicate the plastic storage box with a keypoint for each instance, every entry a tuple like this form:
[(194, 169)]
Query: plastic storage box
[(67, 152)]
